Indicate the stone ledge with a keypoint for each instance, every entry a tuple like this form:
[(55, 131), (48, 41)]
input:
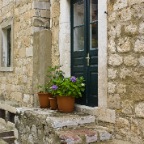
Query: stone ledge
[(8, 106), (102, 114), (57, 119)]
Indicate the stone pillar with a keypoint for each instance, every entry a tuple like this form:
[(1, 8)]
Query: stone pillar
[(64, 36)]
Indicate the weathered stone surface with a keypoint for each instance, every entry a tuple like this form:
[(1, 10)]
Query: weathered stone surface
[(131, 29), (114, 101), (121, 88), (141, 61), (141, 28), (112, 73), (112, 46), (124, 45), (125, 14), (115, 60), (124, 72), (120, 4), (115, 30), (111, 87), (139, 45), (139, 110), (130, 61), (41, 5), (127, 107), (70, 120), (35, 126), (122, 128)]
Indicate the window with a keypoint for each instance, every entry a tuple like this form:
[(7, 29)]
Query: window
[(6, 45)]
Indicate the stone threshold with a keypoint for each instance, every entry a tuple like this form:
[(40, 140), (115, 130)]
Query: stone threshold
[(101, 113)]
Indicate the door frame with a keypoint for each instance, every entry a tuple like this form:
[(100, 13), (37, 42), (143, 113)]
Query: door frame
[(65, 48)]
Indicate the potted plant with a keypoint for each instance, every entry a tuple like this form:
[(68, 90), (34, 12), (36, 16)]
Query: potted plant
[(45, 97), (66, 90)]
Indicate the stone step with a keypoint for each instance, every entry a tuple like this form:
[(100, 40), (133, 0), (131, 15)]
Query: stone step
[(84, 135), (7, 133), (8, 136), (70, 120)]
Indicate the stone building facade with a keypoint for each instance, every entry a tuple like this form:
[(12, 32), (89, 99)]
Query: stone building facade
[(43, 26)]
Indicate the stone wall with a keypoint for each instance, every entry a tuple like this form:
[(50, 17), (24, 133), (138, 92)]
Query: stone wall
[(29, 16), (126, 67)]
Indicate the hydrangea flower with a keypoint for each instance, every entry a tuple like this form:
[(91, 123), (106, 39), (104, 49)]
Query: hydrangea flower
[(54, 87), (73, 79)]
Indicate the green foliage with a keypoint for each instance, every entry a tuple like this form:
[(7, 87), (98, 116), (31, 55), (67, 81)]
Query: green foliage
[(43, 88), (51, 73), (71, 86)]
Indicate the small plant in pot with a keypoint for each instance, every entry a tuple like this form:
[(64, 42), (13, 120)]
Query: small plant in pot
[(45, 90), (52, 74), (66, 90), (43, 96)]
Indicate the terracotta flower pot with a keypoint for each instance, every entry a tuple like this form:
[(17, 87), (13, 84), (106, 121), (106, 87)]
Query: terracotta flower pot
[(65, 103), (44, 100), (53, 103)]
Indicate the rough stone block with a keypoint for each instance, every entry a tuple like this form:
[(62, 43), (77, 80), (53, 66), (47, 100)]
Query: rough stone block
[(104, 135), (111, 87), (139, 110), (29, 52), (112, 73), (141, 61), (124, 45), (130, 60), (139, 45), (70, 121), (120, 4), (114, 101), (141, 28), (41, 5), (131, 29), (112, 46), (115, 60)]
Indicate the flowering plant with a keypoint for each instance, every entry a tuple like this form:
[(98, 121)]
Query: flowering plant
[(51, 74), (72, 86)]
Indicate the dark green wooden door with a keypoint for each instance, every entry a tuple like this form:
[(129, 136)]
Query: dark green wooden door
[(84, 43)]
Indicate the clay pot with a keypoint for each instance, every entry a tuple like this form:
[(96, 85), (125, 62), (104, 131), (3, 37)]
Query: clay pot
[(65, 103), (44, 100), (53, 103)]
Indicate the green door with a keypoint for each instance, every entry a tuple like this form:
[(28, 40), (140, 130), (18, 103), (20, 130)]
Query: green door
[(84, 44)]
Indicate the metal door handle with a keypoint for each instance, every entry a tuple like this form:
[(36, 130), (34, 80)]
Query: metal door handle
[(88, 59)]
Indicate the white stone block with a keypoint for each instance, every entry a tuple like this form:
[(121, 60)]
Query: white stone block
[(29, 52)]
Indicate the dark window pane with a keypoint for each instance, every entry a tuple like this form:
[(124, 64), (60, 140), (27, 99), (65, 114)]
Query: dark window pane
[(93, 10), (93, 35), (8, 47)]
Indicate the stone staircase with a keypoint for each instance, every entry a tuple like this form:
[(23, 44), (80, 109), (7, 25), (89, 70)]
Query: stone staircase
[(78, 128), (44, 126)]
